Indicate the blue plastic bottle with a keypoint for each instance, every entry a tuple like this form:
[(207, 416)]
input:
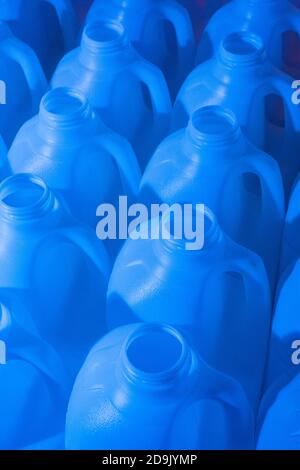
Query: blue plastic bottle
[(277, 22), (22, 83), (218, 296), (291, 243), (213, 163), (281, 427), (4, 168), (53, 266), (47, 26), (71, 149), (285, 334), (201, 11), (143, 387), (161, 31), (241, 78), (33, 385), (129, 93)]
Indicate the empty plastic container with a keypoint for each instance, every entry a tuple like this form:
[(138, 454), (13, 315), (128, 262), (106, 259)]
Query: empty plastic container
[(277, 22), (291, 243), (160, 30), (33, 385), (72, 150), (47, 26), (201, 11), (212, 162), (240, 77), (218, 295), (130, 94), (52, 266), (143, 387), (22, 84), (280, 428)]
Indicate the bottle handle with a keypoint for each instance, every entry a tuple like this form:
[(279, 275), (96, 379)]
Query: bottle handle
[(181, 21), (22, 54), (4, 167), (123, 155), (66, 18), (294, 19), (84, 238), (219, 387), (157, 87)]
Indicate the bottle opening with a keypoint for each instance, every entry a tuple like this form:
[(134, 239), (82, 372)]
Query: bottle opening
[(242, 48), (104, 36), (64, 107), (213, 125), (155, 353), (193, 229), (24, 196)]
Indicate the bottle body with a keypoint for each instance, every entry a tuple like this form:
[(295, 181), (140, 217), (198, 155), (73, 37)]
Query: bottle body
[(217, 166), (110, 73), (158, 393), (290, 244), (280, 33), (32, 382), (264, 108), (280, 428), (200, 12)]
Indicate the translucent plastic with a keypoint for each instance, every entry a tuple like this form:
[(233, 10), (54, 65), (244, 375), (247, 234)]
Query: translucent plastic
[(161, 31), (32, 383), (218, 296), (201, 11), (47, 26), (143, 387), (22, 84), (291, 243), (285, 334), (53, 267), (211, 162), (277, 22), (240, 77), (280, 427), (68, 145), (4, 168), (81, 8), (129, 93)]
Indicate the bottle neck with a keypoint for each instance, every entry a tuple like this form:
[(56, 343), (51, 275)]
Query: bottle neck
[(25, 197), (64, 111), (103, 43), (155, 357)]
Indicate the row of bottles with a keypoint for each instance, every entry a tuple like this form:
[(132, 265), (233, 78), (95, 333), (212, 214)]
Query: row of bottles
[(182, 337)]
